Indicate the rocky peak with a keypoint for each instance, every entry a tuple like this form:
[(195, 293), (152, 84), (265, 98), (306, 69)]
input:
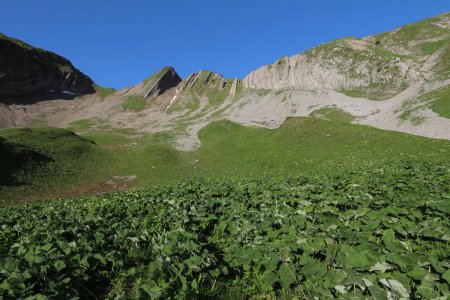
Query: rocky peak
[(26, 71), (204, 79), (204, 83), (155, 85)]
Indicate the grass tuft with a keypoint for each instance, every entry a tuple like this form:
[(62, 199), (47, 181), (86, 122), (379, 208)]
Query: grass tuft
[(134, 103)]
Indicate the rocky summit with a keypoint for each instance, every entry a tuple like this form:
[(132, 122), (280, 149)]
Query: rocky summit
[(26, 71), (155, 85)]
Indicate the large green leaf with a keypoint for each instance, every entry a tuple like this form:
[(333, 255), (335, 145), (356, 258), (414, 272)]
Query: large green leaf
[(391, 243), (287, 275)]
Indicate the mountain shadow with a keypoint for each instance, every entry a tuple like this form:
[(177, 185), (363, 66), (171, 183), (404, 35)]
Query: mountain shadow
[(14, 158)]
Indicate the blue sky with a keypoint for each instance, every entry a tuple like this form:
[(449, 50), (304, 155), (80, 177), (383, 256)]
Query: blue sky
[(120, 42)]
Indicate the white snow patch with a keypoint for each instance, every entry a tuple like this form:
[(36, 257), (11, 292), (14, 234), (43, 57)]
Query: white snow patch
[(173, 99), (68, 93)]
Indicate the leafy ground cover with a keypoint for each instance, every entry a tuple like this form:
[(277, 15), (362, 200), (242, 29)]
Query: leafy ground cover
[(374, 233)]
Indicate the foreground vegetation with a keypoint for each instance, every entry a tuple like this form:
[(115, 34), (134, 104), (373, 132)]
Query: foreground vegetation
[(374, 223), (377, 233)]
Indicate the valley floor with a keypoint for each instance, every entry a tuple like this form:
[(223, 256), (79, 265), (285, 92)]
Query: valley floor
[(414, 111)]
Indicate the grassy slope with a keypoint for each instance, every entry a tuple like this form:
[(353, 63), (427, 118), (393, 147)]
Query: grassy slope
[(415, 38), (104, 92), (332, 113), (46, 163), (308, 145), (134, 103), (301, 145), (438, 100)]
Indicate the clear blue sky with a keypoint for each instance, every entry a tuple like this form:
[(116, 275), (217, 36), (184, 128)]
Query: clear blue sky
[(120, 42)]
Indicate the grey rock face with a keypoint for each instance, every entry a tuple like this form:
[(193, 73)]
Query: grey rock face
[(337, 66), (29, 71)]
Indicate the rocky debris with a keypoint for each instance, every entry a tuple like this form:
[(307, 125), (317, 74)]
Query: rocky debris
[(155, 85), (443, 21), (120, 182), (29, 71), (6, 117)]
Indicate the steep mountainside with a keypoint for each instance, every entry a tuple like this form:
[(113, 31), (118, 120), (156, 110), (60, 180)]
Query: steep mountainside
[(30, 71), (376, 67), (205, 85)]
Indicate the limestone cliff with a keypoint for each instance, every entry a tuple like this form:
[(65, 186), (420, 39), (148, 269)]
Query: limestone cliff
[(378, 66)]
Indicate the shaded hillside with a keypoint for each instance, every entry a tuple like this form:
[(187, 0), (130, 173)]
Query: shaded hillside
[(26, 71), (17, 158), (50, 160)]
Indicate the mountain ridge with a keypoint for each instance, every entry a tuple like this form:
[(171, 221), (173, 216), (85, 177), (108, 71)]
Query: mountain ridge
[(385, 80)]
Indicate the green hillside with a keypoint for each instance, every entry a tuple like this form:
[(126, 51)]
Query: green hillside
[(299, 146)]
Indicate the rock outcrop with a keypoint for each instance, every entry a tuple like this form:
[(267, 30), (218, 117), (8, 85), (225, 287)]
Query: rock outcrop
[(29, 71), (166, 89), (155, 85), (204, 79), (6, 117), (210, 84)]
